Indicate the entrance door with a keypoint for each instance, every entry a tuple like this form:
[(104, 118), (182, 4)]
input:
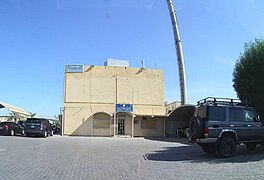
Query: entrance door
[(121, 126)]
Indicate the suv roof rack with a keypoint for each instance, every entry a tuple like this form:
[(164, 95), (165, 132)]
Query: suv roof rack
[(220, 101)]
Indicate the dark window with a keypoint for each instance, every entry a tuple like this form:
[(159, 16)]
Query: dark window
[(6, 123), (31, 120), (216, 113), (236, 114)]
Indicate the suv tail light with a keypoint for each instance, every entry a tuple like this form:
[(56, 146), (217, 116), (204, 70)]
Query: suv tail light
[(5, 127), (41, 127), (206, 131)]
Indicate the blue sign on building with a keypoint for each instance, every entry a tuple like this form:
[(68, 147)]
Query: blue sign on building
[(124, 107), (74, 68)]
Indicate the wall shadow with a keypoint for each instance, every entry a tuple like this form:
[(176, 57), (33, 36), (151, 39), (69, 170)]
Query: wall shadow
[(84, 129), (87, 126), (194, 154)]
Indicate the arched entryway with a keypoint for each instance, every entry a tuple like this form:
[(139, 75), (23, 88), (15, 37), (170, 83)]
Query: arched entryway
[(101, 124), (123, 124), (179, 119)]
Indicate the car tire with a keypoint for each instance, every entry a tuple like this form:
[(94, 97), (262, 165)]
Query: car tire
[(12, 132), (226, 147), (251, 146), (196, 128), (209, 148), (51, 133), (45, 134)]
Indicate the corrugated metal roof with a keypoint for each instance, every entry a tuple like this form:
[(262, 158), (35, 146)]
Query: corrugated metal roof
[(14, 109)]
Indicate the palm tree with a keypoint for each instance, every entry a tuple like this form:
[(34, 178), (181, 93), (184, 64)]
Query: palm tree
[(32, 114), (13, 116)]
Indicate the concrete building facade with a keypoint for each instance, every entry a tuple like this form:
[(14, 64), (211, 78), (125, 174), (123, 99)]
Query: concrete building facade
[(172, 106), (113, 101)]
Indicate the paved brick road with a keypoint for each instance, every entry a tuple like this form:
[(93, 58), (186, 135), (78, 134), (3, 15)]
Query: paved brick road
[(114, 158)]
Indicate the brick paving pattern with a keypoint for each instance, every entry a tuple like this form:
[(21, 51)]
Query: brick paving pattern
[(120, 158)]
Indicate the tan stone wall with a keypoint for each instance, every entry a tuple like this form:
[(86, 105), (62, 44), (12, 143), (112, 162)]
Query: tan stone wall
[(171, 106), (99, 88), (77, 121), (158, 132)]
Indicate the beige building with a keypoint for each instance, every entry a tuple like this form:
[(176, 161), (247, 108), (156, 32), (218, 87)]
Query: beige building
[(172, 106), (113, 101)]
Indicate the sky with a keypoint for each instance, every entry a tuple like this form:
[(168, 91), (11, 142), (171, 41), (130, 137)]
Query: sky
[(37, 38)]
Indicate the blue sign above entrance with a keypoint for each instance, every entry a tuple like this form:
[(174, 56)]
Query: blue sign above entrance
[(124, 107)]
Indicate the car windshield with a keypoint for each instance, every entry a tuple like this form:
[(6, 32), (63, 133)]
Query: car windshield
[(5, 123)]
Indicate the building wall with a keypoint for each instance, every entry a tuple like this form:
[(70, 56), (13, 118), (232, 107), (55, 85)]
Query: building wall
[(99, 88), (158, 131), (171, 106), (77, 120)]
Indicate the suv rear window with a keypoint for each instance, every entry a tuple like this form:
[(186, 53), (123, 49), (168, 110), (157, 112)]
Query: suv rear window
[(216, 113), (5, 123), (200, 112), (33, 121)]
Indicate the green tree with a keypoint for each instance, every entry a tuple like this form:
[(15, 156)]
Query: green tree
[(248, 75), (13, 116), (32, 114)]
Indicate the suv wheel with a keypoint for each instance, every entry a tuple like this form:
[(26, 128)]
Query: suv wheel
[(226, 147), (12, 132), (209, 148), (45, 134), (196, 127), (251, 146), (51, 133)]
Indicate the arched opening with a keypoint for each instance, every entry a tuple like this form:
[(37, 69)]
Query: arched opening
[(101, 124), (124, 124), (179, 119)]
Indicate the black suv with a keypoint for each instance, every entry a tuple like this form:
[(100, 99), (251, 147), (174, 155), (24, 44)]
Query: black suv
[(38, 126), (219, 124)]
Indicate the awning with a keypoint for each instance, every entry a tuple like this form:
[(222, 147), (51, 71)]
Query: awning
[(182, 114), (17, 110)]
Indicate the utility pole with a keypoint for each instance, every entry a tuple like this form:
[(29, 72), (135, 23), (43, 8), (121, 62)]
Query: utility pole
[(179, 53)]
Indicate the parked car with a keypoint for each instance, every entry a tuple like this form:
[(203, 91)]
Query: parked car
[(11, 128), (219, 124), (21, 123), (38, 127), (56, 130)]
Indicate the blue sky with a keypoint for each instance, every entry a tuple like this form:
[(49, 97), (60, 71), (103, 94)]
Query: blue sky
[(39, 37)]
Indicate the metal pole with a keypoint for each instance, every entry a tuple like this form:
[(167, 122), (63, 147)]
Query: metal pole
[(110, 124), (132, 125), (179, 53), (114, 124), (91, 125)]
